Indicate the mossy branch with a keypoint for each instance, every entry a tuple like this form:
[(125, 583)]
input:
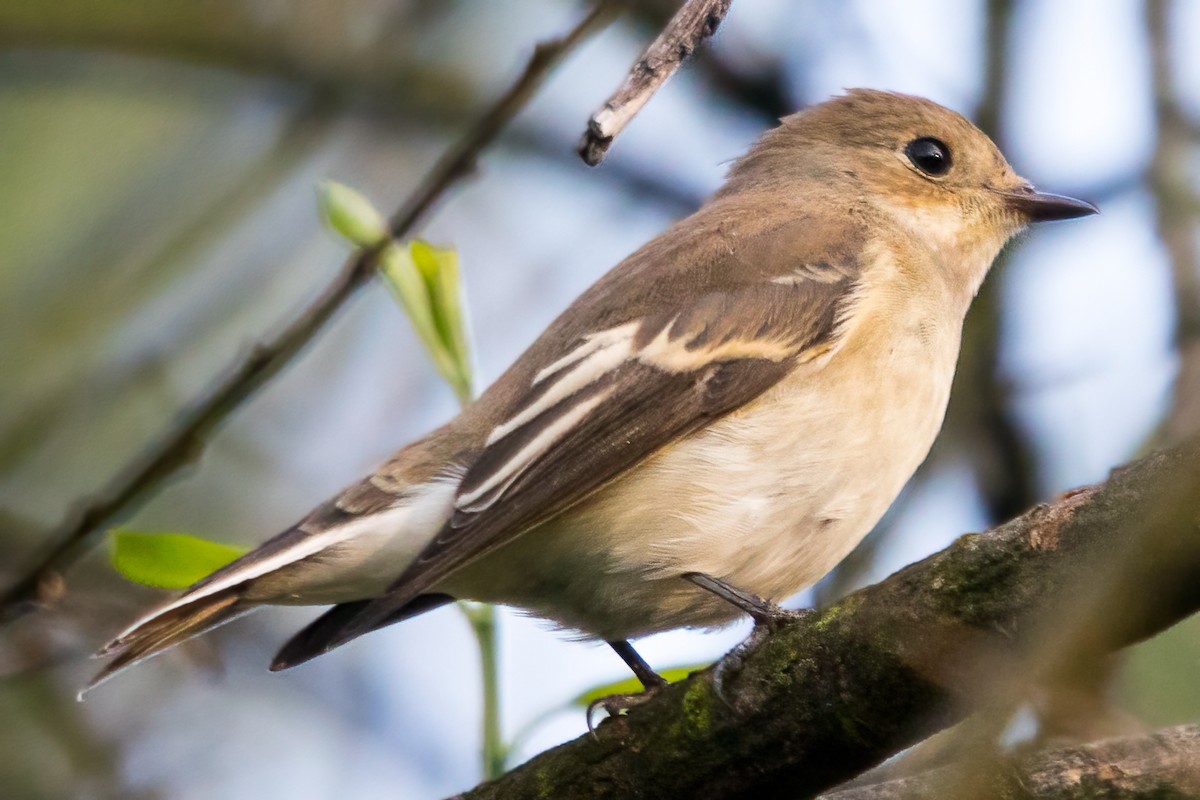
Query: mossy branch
[(972, 627)]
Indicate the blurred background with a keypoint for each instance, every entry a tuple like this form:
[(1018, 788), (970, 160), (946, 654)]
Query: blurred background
[(157, 217)]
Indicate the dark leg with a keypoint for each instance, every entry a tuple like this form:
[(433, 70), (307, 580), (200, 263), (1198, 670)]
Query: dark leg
[(617, 703), (761, 611), (649, 678)]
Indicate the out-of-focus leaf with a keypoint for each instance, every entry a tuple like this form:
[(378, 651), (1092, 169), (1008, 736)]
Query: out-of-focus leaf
[(440, 268), (167, 560), (631, 685), (405, 280), (350, 214), (426, 281), (424, 278)]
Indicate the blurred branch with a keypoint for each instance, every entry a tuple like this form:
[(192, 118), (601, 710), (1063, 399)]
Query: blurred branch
[(374, 85), (1177, 205), (305, 129), (1162, 764), (972, 627), (315, 47), (695, 21), (183, 442), (980, 416)]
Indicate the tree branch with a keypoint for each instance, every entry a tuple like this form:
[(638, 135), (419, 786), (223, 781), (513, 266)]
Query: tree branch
[(971, 627), (695, 21), (1162, 764), (183, 442)]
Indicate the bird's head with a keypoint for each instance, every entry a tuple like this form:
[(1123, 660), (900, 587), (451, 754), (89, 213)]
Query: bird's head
[(925, 165)]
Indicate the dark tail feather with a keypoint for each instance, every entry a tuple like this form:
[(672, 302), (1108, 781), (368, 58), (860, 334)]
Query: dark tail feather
[(165, 630), (314, 640)]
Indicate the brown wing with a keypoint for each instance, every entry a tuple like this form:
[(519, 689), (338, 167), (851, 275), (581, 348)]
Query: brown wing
[(614, 396)]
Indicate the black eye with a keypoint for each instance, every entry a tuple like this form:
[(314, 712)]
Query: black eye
[(929, 155)]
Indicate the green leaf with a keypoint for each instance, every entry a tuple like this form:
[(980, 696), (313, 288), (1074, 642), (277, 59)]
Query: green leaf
[(404, 279), (167, 560), (446, 292), (350, 214), (632, 685), (425, 280)]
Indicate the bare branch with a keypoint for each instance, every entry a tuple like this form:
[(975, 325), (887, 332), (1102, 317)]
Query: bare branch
[(1162, 764), (969, 628), (183, 442), (695, 21)]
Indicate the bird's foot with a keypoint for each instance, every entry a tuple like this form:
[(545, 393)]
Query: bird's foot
[(617, 704)]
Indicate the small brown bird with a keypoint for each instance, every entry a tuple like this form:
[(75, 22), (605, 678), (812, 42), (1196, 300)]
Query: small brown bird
[(719, 419)]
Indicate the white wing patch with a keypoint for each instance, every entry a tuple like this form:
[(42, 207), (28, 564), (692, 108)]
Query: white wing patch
[(592, 343), (600, 354), (821, 272), (674, 355), (499, 481)]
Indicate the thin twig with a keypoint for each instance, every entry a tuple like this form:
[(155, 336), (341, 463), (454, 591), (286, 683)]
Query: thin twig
[(183, 442), (695, 21)]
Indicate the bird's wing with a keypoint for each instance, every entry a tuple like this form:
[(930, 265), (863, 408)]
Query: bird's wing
[(604, 399)]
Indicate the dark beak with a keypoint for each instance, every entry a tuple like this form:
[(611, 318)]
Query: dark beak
[(1038, 206)]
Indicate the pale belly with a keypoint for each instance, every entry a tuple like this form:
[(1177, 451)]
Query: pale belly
[(769, 499)]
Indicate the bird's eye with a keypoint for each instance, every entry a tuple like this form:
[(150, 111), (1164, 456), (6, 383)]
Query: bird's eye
[(929, 155)]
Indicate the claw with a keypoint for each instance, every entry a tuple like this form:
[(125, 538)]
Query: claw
[(731, 660), (616, 704)]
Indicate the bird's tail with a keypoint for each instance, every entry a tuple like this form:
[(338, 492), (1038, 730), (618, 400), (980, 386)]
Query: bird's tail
[(331, 556), (165, 628)]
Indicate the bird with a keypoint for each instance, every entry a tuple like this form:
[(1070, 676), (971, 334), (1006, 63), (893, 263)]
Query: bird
[(707, 430)]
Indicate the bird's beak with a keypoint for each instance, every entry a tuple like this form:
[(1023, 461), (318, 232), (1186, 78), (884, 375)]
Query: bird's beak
[(1038, 206)]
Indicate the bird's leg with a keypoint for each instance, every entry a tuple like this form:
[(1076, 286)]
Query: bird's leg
[(615, 704), (649, 678), (766, 615)]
